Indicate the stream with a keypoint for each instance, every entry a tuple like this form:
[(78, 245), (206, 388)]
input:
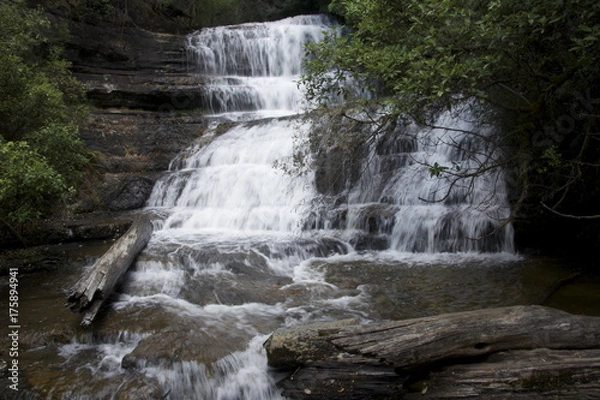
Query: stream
[(241, 247), (158, 345)]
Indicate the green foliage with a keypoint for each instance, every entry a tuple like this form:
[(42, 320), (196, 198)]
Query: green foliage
[(36, 87), (436, 169), (40, 105), (28, 184), (61, 147), (530, 68)]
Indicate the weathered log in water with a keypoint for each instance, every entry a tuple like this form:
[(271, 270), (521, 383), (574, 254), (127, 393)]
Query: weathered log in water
[(95, 287), (520, 374), (422, 341), (526, 351)]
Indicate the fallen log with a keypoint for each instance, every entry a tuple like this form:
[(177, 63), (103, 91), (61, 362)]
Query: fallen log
[(521, 374), (95, 287), (422, 341), (483, 353)]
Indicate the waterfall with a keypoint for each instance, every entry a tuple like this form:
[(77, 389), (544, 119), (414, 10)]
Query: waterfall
[(397, 196), (242, 247), (254, 67), (233, 184)]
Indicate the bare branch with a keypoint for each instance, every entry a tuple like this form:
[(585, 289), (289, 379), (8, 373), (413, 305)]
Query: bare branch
[(568, 215)]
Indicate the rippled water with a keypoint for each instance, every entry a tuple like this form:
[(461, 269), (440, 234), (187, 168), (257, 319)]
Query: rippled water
[(199, 349)]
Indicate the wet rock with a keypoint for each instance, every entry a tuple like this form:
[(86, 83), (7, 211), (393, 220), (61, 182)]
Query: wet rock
[(133, 149), (131, 192), (54, 336), (373, 221), (370, 242), (162, 93), (138, 141), (167, 347), (289, 347), (398, 142), (141, 387), (375, 218), (334, 170), (324, 217)]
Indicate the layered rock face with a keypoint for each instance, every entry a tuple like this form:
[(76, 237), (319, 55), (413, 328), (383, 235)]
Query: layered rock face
[(143, 112)]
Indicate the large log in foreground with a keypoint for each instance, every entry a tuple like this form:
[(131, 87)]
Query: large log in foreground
[(94, 288), (417, 342), (513, 352)]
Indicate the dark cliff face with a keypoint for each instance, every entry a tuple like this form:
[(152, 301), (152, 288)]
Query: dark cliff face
[(177, 16), (141, 96), (141, 115)]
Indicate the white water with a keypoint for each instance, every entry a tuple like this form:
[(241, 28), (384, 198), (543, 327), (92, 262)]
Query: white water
[(233, 183), (230, 260), (238, 376), (254, 66), (433, 214)]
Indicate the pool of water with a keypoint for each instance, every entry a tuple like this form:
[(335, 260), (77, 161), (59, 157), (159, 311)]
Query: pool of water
[(207, 343)]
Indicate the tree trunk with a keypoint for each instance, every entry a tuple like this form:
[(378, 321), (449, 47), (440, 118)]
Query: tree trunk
[(523, 351), (94, 288)]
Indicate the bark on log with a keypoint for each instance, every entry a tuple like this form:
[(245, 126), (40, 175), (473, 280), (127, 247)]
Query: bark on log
[(340, 381), (95, 287), (523, 374), (527, 351), (422, 341)]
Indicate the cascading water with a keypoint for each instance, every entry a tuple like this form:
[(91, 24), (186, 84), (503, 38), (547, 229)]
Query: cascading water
[(254, 66), (398, 197), (232, 183), (231, 259)]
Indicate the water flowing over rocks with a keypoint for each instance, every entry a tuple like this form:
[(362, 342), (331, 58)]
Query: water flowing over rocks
[(240, 247)]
